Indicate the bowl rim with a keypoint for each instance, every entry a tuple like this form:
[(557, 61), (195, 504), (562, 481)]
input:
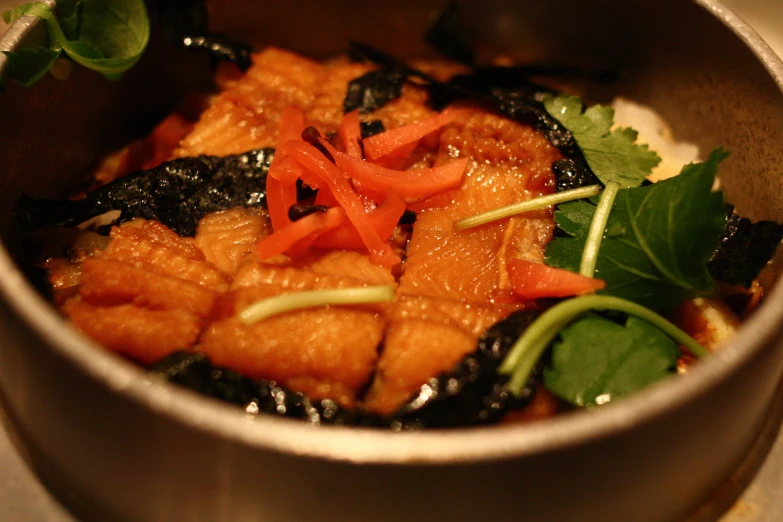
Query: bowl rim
[(372, 446)]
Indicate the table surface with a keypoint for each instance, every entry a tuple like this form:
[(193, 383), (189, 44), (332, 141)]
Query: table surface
[(758, 481)]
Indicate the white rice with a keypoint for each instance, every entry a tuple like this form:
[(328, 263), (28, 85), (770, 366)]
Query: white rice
[(656, 133)]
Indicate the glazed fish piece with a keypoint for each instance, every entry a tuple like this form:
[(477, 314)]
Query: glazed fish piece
[(246, 116), (348, 264), (156, 248), (466, 270), (226, 237), (110, 282), (148, 293), (517, 98), (509, 163), (327, 352), (331, 352), (426, 337), (138, 333)]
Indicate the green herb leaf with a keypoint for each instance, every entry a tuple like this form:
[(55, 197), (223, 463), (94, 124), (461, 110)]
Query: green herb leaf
[(531, 345), (112, 36), (597, 360), (68, 13), (679, 224), (611, 154), (106, 36), (27, 66), (658, 238)]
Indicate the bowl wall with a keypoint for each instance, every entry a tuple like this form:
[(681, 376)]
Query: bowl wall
[(118, 446)]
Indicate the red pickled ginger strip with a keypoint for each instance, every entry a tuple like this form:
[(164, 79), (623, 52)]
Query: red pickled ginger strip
[(384, 219), (536, 280), (282, 240), (315, 162), (350, 132), (391, 140)]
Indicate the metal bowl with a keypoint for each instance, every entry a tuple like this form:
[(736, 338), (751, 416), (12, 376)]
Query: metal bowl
[(117, 446)]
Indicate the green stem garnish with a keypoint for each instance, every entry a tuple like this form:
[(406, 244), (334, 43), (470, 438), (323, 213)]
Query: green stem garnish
[(531, 345), (597, 229), (314, 298), (526, 206)]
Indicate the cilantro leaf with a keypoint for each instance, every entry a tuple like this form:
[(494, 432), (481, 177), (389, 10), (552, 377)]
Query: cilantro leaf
[(106, 36), (597, 360), (612, 154), (658, 239)]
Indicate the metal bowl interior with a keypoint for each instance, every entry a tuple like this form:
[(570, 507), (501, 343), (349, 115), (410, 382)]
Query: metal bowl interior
[(705, 71)]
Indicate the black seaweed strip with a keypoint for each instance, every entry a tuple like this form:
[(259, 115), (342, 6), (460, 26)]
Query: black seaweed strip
[(373, 90), (221, 48), (371, 128), (744, 250), (408, 218), (569, 176), (186, 23), (177, 193)]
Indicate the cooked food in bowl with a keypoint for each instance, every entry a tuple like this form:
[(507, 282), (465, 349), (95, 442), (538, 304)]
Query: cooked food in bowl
[(425, 244)]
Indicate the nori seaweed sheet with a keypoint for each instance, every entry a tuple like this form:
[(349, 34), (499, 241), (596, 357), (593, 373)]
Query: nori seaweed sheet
[(186, 23), (569, 176), (472, 393), (220, 47), (374, 89), (744, 250), (177, 193), (408, 218), (371, 128)]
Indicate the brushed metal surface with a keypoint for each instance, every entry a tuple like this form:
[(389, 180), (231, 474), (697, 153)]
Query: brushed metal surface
[(121, 447), (750, 494)]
